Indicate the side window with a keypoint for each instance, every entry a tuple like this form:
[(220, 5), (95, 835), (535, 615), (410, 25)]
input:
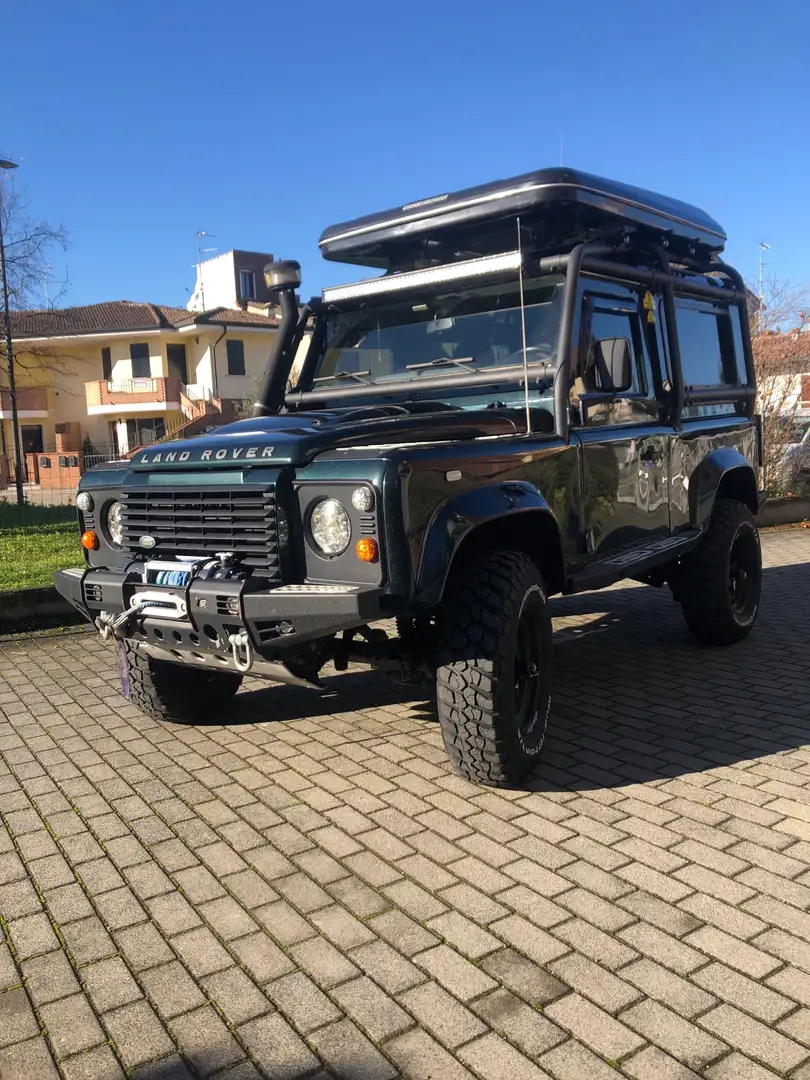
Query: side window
[(612, 324), (706, 339)]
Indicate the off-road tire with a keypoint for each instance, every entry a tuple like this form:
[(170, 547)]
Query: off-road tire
[(184, 695), (486, 602), (705, 587)]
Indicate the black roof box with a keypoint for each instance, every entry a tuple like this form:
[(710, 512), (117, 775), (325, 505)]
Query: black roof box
[(558, 208)]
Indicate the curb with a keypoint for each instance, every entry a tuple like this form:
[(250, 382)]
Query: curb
[(24, 608), (793, 510)]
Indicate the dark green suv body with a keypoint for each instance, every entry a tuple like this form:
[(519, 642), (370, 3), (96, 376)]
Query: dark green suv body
[(550, 388)]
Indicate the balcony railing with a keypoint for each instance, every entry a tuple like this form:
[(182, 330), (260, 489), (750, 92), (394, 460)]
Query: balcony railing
[(133, 392)]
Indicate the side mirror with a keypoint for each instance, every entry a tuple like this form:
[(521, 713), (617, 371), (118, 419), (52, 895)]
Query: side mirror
[(614, 364)]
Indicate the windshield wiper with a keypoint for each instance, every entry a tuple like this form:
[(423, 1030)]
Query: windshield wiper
[(358, 375), (443, 361)]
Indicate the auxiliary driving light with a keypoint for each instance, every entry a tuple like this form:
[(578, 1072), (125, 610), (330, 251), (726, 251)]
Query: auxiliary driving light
[(366, 549), (362, 499), (89, 541)]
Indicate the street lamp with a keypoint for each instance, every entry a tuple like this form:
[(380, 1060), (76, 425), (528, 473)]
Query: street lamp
[(12, 389)]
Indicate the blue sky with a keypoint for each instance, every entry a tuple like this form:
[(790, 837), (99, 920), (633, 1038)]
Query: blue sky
[(137, 125)]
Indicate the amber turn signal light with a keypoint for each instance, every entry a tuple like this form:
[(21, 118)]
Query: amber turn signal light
[(366, 549), (90, 541)]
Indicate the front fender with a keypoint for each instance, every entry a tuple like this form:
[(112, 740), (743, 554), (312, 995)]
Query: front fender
[(456, 518), (723, 471)]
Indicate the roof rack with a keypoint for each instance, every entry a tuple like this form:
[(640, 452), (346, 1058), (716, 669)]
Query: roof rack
[(558, 209)]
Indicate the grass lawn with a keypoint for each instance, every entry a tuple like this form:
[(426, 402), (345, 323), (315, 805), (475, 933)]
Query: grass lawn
[(35, 541)]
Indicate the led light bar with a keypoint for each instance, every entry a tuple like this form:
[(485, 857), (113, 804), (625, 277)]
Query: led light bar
[(435, 275)]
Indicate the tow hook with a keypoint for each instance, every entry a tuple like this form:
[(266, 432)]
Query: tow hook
[(108, 624), (241, 650)]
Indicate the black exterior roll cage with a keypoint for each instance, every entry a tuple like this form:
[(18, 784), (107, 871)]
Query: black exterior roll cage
[(648, 265)]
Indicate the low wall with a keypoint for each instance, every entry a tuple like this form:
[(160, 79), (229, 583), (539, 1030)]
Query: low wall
[(25, 609), (789, 511)]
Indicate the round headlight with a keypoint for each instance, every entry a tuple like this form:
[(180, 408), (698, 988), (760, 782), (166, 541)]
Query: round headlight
[(84, 501), (362, 499), (115, 524), (330, 527)]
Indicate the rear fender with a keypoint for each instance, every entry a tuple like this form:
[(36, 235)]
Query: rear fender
[(724, 473)]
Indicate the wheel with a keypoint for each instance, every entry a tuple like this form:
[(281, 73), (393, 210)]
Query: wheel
[(186, 695), (493, 682), (719, 583)]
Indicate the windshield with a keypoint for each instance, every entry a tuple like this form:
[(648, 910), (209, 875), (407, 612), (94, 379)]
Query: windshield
[(469, 330)]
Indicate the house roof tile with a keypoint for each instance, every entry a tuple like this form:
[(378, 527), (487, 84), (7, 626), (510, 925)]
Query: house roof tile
[(116, 316)]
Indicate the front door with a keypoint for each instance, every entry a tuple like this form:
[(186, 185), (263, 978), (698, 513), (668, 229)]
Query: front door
[(176, 361), (624, 449), (31, 435)]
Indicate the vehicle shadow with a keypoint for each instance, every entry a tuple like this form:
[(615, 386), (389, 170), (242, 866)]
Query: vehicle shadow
[(635, 697), (176, 1068)]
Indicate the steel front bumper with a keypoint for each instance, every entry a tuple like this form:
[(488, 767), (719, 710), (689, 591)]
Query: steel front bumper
[(192, 622)]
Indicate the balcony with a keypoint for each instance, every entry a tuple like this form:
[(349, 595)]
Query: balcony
[(133, 396), (32, 403)]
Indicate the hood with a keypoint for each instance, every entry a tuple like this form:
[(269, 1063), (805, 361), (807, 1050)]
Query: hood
[(295, 438)]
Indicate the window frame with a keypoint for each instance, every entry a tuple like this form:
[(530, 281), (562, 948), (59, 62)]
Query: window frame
[(251, 275), (106, 363), (607, 296), (729, 359), (229, 359), (147, 357)]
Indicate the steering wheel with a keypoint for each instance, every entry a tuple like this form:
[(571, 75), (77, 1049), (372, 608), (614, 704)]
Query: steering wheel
[(541, 351)]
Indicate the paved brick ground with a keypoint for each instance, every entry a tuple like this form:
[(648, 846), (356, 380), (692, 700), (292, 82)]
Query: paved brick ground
[(309, 892)]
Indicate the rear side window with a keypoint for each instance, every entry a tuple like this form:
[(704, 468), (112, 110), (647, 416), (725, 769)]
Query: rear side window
[(706, 338)]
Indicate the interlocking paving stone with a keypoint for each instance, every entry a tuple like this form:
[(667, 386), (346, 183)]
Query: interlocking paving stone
[(138, 1033), (438, 1012), (276, 1048), (311, 884), (29, 1058), (49, 977), (71, 1025), (17, 1020)]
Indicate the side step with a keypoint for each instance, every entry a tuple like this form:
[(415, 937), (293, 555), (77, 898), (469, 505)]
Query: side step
[(632, 561)]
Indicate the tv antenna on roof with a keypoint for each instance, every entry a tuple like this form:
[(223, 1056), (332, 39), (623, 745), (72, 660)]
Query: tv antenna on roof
[(763, 247), (200, 252)]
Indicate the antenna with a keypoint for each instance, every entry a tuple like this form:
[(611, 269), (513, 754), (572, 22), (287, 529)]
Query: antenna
[(762, 247), (523, 334), (200, 252)]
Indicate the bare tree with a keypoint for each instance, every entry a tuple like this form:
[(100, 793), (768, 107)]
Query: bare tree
[(28, 241), (781, 347)]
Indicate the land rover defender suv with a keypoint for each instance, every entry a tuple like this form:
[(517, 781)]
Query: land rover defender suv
[(549, 388)]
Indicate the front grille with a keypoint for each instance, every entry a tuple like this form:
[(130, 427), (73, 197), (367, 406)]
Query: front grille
[(204, 521)]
